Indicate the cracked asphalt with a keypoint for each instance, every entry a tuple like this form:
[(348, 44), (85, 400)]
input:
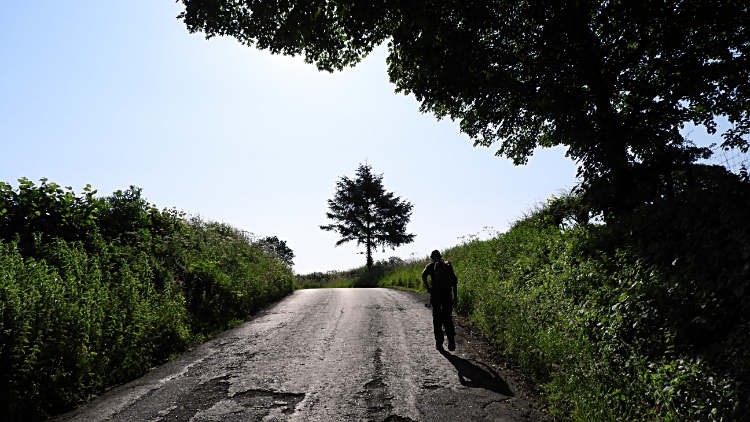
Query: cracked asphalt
[(322, 355)]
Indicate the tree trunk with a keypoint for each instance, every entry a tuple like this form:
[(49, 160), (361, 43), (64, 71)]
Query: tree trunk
[(369, 254), (369, 240)]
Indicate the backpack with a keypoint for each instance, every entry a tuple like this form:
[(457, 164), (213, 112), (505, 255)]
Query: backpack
[(443, 277)]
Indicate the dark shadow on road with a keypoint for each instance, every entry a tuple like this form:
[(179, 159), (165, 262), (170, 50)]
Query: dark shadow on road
[(475, 376)]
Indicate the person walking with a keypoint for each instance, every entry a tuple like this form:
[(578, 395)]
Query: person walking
[(443, 296)]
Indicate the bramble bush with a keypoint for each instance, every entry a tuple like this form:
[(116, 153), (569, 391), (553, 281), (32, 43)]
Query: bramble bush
[(646, 317), (96, 291)]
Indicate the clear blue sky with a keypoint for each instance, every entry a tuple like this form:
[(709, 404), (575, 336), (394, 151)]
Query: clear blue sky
[(118, 93)]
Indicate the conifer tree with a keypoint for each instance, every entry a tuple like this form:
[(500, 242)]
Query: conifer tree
[(364, 212)]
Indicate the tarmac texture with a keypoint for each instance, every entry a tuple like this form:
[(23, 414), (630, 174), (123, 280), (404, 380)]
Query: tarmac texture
[(323, 355)]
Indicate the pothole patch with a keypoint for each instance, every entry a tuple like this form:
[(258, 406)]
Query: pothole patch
[(201, 397), (266, 399), (210, 401)]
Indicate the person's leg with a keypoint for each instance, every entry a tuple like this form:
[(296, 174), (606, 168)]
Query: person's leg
[(446, 319), (437, 325), (450, 329)]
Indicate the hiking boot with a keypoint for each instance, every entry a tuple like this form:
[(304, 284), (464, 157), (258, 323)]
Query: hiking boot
[(439, 346), (451, 344)]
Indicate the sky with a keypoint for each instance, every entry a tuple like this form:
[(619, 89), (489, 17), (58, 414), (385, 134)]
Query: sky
[(115, 94)]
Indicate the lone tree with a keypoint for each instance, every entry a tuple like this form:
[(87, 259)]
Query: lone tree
[(364, 212), (614, 81)]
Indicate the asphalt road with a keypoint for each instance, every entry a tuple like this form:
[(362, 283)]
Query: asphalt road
[(321, 355)]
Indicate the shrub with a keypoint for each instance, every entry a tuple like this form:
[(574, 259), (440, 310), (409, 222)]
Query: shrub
[(96, 291)]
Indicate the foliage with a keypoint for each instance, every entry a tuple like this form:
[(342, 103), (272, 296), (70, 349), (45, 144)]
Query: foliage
[(46, 209), (355, 277), (612, 81), (71, 330), (280, 248), (567, 209), (228, 276), (328, 279), (96, 291), (407, 274), (364, 212), (644, 318)]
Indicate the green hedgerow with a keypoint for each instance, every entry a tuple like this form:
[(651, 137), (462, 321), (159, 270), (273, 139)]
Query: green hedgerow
[(96, 291)]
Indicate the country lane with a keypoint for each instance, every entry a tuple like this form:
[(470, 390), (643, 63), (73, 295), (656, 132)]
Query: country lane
[(320, 355)]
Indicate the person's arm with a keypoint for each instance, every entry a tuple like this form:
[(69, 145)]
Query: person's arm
[(424, 279), (455, 286)]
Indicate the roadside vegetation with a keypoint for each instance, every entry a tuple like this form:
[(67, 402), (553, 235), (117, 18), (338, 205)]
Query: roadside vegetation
[(356, 277), (646, 317), (96, 291)]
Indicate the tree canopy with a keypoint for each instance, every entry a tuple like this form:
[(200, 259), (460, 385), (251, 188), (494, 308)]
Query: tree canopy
[(364, 212), (280, 248), (614, 81)]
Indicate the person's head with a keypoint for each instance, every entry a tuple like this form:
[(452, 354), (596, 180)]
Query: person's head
[(435, 255)]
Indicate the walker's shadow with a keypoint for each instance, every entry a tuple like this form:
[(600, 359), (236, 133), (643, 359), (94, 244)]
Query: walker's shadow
[(475, 376)]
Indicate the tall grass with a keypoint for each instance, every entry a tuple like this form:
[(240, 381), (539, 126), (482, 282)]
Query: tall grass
[(97, 291), (406, 275)]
